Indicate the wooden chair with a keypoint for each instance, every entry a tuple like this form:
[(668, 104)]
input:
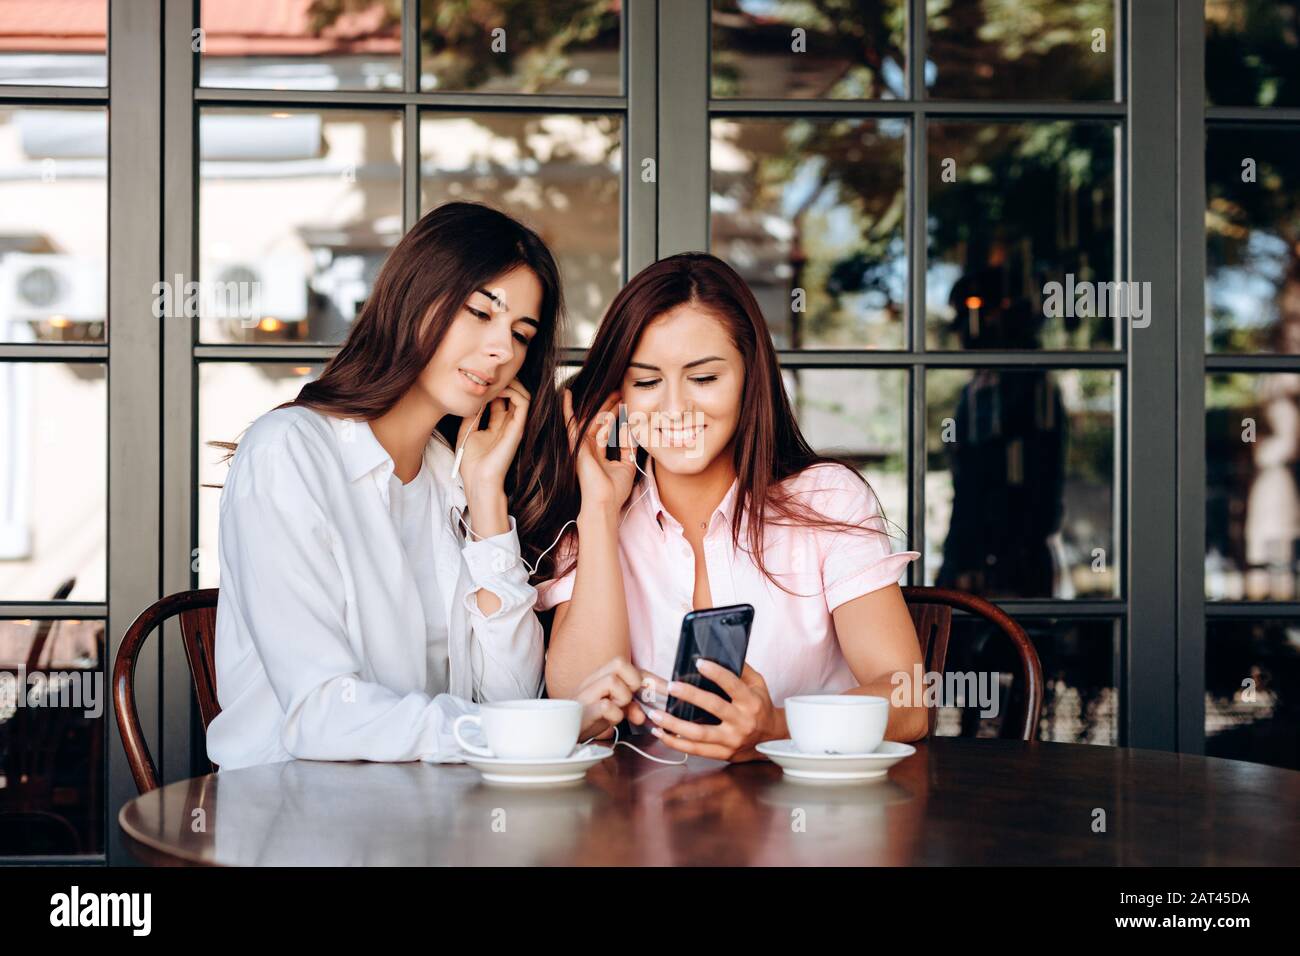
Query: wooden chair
[(198, 620), (932, 614)]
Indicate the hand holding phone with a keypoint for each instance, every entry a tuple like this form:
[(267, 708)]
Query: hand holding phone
[(719, 634)]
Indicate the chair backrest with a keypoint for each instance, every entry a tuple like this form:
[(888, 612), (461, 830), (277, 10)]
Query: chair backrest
[(198, 620), (932, 614)]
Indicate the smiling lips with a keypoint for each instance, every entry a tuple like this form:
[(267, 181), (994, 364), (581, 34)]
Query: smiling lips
[(678, 437), (478, 384)]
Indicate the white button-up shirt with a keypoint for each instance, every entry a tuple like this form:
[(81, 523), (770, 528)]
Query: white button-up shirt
[(321, 638)]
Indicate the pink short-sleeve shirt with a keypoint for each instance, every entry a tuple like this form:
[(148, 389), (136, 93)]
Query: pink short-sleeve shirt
[(793, 643)]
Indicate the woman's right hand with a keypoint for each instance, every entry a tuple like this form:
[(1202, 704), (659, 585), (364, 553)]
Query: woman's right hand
[(604, 484), (609, 694)]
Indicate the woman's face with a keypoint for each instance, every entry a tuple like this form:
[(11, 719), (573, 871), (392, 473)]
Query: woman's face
[(683, 389), (485, 345)]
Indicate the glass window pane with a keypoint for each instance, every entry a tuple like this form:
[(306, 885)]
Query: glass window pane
[(301, 45), (1252, 53), (1020, 479), (1252, 278), (812, 214), (1080, 699), (1252, 505), (558, 174), (53, 224), (232, 395), (53, 701), (1022, 241), (860, 417), (53, 471), (54, 42), (1252, 691), (834, 49), (500, 46), (1047, 50), (297, 211)]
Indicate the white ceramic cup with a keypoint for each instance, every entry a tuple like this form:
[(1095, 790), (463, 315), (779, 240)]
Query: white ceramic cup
[(836, 723), (524, 729)]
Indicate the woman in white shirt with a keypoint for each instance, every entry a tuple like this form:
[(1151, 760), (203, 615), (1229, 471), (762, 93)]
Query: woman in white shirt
[(364, 570)]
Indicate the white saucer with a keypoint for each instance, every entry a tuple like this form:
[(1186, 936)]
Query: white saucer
[(545, 771), (835, 768)]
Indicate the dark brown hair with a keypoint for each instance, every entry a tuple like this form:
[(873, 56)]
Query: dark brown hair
[(768, 446), (453, 250)]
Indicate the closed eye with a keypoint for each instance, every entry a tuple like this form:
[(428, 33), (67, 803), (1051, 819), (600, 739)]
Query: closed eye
[(705, 379), (646, 383)]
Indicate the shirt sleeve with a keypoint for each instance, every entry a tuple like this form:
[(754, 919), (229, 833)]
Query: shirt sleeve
[(855, 562), (280, 577), (506, 647)]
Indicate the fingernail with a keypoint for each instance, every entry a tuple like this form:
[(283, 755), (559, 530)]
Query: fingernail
[(656, 715), (657, 731), (703, 664), (674, 686)]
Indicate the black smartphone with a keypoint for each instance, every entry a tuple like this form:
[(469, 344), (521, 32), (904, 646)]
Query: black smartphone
[(612, 451), (718, 634)]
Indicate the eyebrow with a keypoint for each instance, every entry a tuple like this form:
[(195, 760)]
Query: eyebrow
[(656, 368), (523, 318)]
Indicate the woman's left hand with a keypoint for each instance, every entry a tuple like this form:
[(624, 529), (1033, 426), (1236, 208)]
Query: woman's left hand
[(747, 720), (489, 452)]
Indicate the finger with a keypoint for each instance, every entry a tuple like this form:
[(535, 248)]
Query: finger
[(714, 704), (612, 686), (695, 748), (752, 677), (733, 685), (709, 733), (629, 675), (635, 714), (610, 711), (653, 682), (515, 385)]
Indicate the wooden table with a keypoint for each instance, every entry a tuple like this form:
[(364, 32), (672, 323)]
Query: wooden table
[(957, 801)]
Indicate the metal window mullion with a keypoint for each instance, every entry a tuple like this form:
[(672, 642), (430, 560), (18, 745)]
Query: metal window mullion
[(51, 352), (179, 416), (134, 379), (640, 135), (969, 109), (477, 102), (1149, 694), (684, 126), (1191, 489), (62, 95), (53, 611)]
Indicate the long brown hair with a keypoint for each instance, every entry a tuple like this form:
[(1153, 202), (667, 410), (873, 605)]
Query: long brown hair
[(453, 250), (768, 446)]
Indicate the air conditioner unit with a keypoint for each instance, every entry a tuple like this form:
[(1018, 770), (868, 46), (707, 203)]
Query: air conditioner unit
[(36, 287), (275, 285)]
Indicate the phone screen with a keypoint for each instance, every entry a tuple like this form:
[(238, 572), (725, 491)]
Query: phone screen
[(719, 634)]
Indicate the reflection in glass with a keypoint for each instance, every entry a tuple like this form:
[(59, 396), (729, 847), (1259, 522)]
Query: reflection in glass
[(53, 472), (811, 213), (521, 46), (1252, 224), (1046, 50), (1252, 691), (53, 701), (558, 174), (53, 224), (301, 45), (829, 49), (1012, 208), (860, 417), (1020, 479), (54, 43), (1252, 517), (1080, 700), (301, 207), (1252, 52), (232, 395)]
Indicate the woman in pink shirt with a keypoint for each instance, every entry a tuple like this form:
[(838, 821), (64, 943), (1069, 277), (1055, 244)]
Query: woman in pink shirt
[(730, 506)]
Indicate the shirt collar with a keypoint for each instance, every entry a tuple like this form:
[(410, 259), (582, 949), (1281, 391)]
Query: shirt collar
[(363, 454), (726, 507)]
